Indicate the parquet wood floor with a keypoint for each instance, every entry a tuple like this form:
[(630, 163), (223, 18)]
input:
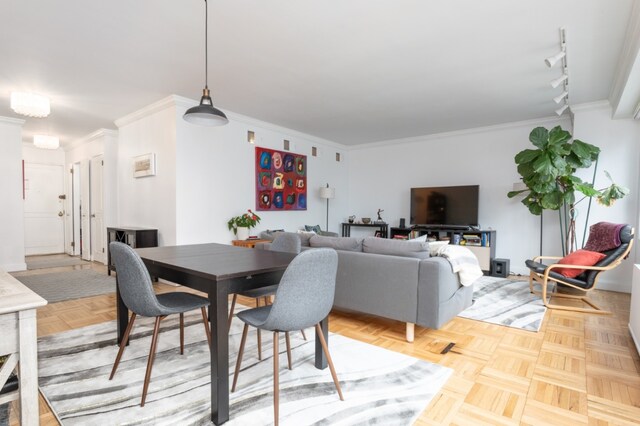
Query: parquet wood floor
[(579, 369)]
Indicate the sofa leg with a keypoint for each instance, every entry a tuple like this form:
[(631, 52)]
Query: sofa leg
[(410, 331)]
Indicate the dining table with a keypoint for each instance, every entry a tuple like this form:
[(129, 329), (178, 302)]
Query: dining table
[(217, 270)]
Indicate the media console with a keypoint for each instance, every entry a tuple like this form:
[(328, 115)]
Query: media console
[(482, 242)]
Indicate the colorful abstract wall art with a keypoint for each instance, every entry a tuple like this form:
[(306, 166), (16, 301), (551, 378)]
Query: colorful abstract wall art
[(281, 180)]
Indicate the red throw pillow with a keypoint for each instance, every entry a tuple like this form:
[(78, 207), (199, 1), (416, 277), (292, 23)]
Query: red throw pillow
[(579, 257)]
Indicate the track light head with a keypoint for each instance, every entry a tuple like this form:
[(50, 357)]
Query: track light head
[(562, 109), (560, 97), (558, 81), (552, 60)]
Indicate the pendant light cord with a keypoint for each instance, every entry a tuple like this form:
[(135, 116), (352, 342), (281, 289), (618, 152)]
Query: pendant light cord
[(206, 45)]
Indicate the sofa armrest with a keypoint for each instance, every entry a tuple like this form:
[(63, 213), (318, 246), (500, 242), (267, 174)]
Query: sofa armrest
[(377, 284), (440, 294)]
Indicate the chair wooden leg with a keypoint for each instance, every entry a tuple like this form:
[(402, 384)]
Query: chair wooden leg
[(276, 379), (259, 335), (123, 344), (233, 306), (304, 336), (206, 325), (181, 333), (286, 335), (240, 353), (326, 353), (152, 356)]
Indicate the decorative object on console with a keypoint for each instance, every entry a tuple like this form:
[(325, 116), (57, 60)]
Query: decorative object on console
[(556, 155), (327, 193), (352, 219), (144, 165), (380, 220), (240, 225), (366, 220), (281, 180), (205, 114)]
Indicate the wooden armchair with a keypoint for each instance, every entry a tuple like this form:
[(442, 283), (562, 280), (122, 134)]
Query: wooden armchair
[(585, 282)]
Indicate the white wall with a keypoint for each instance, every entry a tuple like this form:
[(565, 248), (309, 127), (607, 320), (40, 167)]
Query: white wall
[(619, 141), (382, 176), (148, 201), (12, 212), (216, 175)]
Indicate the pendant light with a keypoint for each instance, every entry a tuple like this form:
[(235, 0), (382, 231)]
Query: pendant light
[(206, 114)]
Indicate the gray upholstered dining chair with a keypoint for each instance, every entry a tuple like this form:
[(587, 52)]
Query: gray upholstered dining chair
[(303, 299), (286, 242), (137, 293)]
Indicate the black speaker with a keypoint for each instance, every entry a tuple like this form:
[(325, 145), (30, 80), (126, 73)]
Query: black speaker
[(500, 268), (401, 222)]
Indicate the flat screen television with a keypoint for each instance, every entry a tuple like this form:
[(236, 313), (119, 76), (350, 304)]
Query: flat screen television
[(445, 205)]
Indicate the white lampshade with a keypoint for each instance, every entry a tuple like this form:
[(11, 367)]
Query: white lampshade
[(327, 193), (30, 104), (46, 142)]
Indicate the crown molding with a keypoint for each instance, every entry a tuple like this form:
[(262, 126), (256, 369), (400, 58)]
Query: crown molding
[(455, 133), (250, 121), (89, 138), (160, 105), (11, 120), (590, 106)]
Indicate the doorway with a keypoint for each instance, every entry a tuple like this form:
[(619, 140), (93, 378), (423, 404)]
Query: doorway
[(96, 219)]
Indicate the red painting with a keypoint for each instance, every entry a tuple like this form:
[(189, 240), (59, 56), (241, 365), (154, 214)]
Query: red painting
[(281, 180)]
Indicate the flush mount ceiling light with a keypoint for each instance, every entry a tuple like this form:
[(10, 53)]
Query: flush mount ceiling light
[(46, 142), (30, 104), (206, 114)]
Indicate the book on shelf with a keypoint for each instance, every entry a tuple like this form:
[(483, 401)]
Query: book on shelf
[(400, 237)]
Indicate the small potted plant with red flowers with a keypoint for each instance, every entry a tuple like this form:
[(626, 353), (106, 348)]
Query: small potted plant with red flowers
[(240, 225)]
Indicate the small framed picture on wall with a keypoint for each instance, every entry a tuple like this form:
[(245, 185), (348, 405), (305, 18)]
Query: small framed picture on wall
[(144, 165)]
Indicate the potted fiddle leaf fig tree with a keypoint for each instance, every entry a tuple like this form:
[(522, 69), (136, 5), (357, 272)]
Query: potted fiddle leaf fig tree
[(549, 175)]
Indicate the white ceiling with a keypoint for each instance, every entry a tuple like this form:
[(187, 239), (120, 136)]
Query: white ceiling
[(352, 71)]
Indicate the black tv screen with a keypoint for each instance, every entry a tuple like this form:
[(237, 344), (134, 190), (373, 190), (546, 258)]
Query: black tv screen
[(445, 205)]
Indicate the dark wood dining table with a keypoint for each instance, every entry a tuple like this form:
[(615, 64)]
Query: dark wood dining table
[(218, 270)]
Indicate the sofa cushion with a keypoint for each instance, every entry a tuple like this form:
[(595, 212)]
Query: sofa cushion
[(337, 243), (416, 249)]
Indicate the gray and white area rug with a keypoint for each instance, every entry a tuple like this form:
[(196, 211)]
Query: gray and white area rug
[(505, 302), (379, 386), (59, 286), (43, 262)]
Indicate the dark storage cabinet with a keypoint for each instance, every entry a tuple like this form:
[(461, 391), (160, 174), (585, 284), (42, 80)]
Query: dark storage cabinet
[(132, 236)]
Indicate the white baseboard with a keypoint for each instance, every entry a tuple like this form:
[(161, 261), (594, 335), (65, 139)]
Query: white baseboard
[(635, 340), (14, 267)]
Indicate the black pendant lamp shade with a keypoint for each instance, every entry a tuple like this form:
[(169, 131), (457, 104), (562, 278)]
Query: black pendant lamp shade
[(206, 114)]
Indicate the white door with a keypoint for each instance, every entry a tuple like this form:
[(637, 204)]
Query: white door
[(85, 208), (43, 208), (98, 231)]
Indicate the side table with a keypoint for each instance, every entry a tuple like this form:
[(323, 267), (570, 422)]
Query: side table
[(248, 243)]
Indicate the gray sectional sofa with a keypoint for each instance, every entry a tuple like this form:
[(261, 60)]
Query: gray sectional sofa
[(393, 279)]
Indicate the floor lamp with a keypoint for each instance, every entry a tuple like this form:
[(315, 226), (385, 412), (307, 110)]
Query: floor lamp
[(327, 194)]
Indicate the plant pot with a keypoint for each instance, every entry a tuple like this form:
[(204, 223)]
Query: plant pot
[(242, 232)]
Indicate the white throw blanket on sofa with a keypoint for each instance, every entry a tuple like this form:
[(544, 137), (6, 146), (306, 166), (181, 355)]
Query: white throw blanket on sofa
[(463, 261)]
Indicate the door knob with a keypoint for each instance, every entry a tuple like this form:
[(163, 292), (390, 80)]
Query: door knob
[(60, 214), (93, 215)]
